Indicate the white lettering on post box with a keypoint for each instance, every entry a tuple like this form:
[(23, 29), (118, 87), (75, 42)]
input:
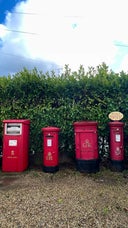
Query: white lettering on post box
[(12, 142), (117, 138), (49, 142)]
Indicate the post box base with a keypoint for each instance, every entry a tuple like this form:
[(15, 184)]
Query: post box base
[(117, 166), (50, 169), (88, 166)]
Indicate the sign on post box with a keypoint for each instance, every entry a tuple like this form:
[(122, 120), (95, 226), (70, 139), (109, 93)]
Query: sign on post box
[(86, 146), (116, 141), (50, 149), (15, 145)]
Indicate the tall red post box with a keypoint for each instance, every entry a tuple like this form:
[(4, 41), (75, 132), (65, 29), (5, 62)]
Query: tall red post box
[(86, 146), (15, 145), (50, 149), (116, 145)]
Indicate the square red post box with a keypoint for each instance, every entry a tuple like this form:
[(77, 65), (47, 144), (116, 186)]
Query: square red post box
[(50, 149), (116, 145), (15, 145), (86, 146)]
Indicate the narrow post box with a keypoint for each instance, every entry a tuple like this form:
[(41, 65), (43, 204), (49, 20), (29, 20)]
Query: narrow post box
[(86, 146), (50, 149), (116, 145), (15, 145)]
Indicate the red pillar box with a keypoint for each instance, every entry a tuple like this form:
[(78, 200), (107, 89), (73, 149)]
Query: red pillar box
[(50, 149), (15, 145), (116, 141), (86, 146), (116, 145)]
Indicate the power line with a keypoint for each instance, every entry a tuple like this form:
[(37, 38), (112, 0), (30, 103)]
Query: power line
[(15, 12), (42, 14), (121, 45), (18, 31)]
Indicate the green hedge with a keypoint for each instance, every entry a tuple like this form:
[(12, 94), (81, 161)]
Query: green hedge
[(50, 100)]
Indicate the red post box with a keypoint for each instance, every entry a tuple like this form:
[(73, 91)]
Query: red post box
[(50, 149), (86, 146), (15, 145), (116, 145)]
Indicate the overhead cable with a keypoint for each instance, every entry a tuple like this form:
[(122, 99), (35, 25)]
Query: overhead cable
[(18, 31)]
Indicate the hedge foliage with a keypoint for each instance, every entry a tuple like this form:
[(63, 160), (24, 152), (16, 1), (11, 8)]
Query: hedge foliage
[(59, 100)]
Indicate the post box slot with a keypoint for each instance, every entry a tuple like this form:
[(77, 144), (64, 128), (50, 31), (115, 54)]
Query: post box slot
[(49, 136), (13, 129)]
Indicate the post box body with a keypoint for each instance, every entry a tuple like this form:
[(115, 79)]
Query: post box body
[(50, 149), (86, 146), (117, 145), (15, 145)]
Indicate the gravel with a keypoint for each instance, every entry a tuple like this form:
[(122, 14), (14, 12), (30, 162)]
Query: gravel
[(66, 199)]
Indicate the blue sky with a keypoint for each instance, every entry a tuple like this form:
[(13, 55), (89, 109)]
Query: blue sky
[(6, 5), (48, 34)]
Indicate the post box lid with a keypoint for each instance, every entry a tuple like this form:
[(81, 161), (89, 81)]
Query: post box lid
[(116, 123), (46, 129), (25, 121), (85, 123)]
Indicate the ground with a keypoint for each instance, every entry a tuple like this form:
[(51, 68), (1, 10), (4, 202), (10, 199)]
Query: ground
[(65, 199)]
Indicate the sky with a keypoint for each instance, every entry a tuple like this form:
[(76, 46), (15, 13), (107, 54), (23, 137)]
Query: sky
[(47, 34)]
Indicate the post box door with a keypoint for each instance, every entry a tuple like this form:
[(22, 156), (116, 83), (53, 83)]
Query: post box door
[(88, 145), (11, 154)]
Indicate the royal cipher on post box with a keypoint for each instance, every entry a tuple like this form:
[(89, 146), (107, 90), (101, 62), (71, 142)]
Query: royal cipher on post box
[(50, 149), (86, 146), (15, 145)]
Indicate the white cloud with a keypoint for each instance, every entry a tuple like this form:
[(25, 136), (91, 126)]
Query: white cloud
[(64, 32)]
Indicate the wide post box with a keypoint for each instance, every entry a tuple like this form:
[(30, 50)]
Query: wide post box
[(50, 149), (117, 145), (15, 145), (86, 146)]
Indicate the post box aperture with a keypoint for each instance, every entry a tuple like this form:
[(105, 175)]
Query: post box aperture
[(13, 128)]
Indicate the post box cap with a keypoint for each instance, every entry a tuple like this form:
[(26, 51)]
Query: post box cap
[(85, 123), (47, 129), (25, 121)]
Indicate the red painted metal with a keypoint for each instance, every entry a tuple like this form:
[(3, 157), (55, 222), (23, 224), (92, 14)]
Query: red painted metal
[(15, 145), (116, 141), (50, 147), (86, 140)]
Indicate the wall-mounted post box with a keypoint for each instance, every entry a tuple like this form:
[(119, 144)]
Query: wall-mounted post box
[(15, 145), (86, 146), (116, 145), (50, 149)]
